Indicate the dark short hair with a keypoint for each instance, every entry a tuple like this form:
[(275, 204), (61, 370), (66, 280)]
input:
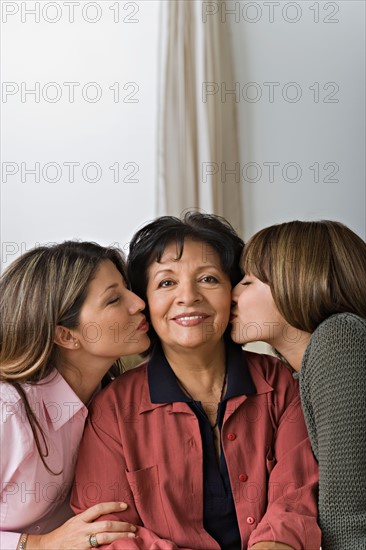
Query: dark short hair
[(148, 244)]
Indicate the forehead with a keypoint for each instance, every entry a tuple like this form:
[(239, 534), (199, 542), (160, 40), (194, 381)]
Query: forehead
[(191, 251), (105, 274)]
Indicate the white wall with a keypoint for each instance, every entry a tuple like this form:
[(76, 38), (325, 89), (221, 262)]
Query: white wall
[(324, 128), (106, 133)]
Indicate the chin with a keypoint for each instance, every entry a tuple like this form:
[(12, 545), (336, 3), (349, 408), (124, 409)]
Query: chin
[(145, 346), (192, 344)]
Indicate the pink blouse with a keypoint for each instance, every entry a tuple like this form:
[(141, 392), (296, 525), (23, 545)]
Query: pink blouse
[(33, 500)]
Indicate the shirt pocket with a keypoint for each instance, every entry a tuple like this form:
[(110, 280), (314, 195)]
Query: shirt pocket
[(145, 487)]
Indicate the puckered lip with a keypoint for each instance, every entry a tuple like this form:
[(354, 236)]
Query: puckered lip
[(142, 323), (201, 314), (232, 317)]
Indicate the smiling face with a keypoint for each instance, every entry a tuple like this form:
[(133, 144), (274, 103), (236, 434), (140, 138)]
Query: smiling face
[(255, 315), (111, 323), (189, 299)]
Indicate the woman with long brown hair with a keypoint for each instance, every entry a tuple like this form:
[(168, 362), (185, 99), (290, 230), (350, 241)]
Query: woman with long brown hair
[(66, 317), (304, 292)]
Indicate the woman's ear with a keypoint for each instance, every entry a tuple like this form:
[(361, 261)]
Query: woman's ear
[(65, 338)]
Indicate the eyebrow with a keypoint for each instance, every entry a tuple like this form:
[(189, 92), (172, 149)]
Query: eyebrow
[(108, 288)]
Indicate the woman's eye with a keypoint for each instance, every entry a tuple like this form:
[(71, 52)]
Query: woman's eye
[(165, 284), (209, 279), (114, 301)]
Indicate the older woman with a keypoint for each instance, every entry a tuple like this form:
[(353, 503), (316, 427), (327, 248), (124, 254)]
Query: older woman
[(66, 317), (305, 290), (206, 443)]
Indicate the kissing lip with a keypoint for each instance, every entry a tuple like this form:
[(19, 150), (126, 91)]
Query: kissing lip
[(143, 325)]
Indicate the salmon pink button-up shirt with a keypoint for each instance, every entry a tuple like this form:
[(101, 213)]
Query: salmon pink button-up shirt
[(32, 499), (149, 454)]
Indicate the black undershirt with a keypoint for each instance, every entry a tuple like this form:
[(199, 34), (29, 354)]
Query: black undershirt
[(219, 515)]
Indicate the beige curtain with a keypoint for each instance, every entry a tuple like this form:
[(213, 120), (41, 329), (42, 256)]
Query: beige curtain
[(198, 160)]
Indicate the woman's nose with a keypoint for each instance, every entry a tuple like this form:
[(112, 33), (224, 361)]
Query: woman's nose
[(235, 294), (137, 304), (188, 292)]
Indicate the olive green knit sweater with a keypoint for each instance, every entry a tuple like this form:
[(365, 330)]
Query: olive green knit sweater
[(333, 394)]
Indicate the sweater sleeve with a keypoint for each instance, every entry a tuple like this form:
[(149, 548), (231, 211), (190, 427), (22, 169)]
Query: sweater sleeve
[(333, 393)]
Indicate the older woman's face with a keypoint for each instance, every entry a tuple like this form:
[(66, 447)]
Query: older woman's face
[(189, 299)]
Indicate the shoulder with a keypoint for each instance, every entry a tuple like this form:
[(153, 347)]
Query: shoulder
[(332, 377), (271, 369), (11, 405), (271, 376), (8, 394), (341, 323), (343, 334), (32, 390), (335, 355), (14, 425), (277, 390), (129, 387), (11, 400), (128, 381)]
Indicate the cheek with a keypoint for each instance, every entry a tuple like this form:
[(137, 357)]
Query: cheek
[(115, 317), (250, 308), (155, 309), (243, 303), (156, 319), (227, 304)]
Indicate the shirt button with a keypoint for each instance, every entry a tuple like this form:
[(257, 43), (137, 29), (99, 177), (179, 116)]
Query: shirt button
[(250, 520), (243, 477), (231, 437)]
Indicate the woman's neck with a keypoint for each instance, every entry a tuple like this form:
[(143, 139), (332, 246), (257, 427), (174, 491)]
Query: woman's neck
[(293, 351), (83, 376), (201, 372)]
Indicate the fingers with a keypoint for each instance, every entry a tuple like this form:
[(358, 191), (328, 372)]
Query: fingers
[(108, 538), (113, 526), (102, 509)]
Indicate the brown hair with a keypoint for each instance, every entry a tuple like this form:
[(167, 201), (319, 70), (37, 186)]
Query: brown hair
[(41, 289), (314, 269)]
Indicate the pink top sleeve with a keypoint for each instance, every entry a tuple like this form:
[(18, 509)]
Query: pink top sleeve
[(33, 500)]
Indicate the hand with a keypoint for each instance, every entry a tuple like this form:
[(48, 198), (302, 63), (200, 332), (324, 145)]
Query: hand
[(74, 534), (271, 546)]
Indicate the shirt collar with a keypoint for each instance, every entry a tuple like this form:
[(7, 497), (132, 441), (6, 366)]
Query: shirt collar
[(60, 401), (164, 387)]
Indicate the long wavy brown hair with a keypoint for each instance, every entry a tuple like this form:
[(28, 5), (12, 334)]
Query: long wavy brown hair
[(41, 289)]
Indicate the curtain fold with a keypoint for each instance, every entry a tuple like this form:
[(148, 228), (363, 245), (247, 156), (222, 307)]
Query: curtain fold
[(197, 127)]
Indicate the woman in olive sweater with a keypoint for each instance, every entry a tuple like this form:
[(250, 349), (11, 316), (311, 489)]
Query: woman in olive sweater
[(304, 293)]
